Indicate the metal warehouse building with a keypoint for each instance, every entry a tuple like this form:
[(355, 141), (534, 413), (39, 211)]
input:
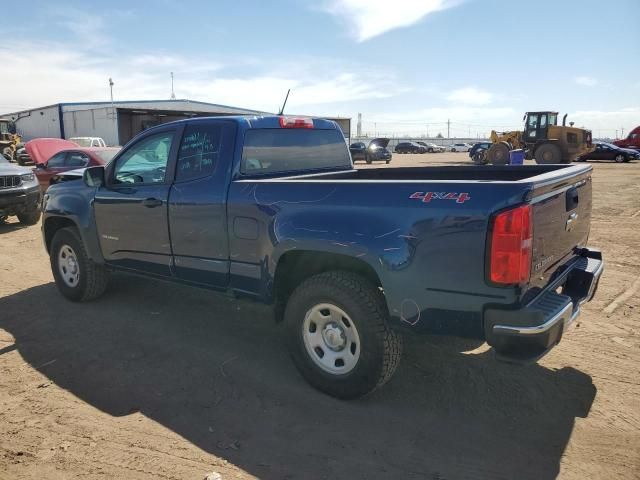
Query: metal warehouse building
[(119, 122)]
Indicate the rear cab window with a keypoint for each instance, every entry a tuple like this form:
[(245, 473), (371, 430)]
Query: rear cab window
[(275, 150)]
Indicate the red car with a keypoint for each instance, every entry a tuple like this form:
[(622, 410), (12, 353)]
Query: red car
[(53, 157)]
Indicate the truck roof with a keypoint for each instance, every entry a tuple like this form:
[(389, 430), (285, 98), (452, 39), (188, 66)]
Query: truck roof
[(261, 121)]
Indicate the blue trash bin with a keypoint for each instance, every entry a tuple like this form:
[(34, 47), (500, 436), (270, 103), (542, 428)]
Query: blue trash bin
[(516, 157)]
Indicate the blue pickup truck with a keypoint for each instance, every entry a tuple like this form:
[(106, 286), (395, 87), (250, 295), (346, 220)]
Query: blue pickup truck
[(271, 208)]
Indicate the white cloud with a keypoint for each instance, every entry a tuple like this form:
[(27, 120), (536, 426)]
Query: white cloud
[(604, 123), (470, 96), (370, 18), (586, 81), (49, 73)]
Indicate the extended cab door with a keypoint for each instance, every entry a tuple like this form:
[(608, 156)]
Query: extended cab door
[(197, 202), (131, 208)]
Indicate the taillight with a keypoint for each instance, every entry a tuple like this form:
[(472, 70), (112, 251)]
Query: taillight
[(296, 122), (511, 245)]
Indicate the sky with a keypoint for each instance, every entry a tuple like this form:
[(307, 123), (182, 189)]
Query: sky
[(407, 66)]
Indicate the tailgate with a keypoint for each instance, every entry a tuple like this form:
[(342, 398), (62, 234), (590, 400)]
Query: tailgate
[(561, 222)]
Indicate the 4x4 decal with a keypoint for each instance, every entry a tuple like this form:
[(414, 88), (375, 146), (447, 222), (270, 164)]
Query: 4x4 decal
[(426, 197)]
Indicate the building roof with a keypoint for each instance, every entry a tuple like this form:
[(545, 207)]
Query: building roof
[(177, 104)]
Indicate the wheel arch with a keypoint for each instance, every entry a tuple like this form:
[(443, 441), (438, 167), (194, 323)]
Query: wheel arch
[(52, 225), (295, 266)]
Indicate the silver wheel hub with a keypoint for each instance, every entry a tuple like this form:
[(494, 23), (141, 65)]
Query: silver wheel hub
[(331, 338), (68, 266)]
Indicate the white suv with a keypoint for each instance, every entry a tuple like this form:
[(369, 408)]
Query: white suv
[(459, 147)]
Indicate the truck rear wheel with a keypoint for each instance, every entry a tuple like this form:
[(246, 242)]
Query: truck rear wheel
[(77, 277), (548, 153), (498, 154), (338, 336)]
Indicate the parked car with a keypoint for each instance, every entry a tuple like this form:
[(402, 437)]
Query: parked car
[(71, 160), (431, 147), (609, 151), (22, 157), (478, 146), (89, 142), (19, 193), (459, 147), (271, 208), (632, 140), (409, 147), (375, 151)]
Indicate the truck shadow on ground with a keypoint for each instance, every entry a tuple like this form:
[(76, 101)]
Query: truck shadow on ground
[(215, 371)]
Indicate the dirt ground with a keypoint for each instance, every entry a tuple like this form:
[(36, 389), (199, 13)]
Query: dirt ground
[(156, 380)]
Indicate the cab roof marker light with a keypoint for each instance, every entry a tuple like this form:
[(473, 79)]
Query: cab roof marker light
[(296, 122)]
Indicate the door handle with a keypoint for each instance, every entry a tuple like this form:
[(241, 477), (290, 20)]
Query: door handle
[(151, 202)]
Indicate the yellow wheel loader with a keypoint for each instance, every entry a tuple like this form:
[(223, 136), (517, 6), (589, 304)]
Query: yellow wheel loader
[(9, 139), (542, 139)]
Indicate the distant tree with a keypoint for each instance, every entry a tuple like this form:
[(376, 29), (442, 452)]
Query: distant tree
[(439, 135)]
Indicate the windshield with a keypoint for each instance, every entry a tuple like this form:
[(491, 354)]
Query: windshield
[(4, 128), (83, 142), (107, 155), (282, 150)]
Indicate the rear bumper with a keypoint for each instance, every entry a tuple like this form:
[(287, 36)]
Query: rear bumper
[(524, 335)]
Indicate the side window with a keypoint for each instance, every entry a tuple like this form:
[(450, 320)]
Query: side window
[(543, 121), (199, 150), (145, 161), (533, 121), (57, 160), (77, 160)]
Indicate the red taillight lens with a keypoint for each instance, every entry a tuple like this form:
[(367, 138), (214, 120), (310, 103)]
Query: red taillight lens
[(296, 122), (511, 244)]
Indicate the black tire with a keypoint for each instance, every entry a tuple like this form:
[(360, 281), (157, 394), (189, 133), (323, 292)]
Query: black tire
[(380, 347), (367, 159), (620, 158), (547, 154), (480, 158), (92, 279), (430, 150), (388, 162), (30, 217), (498, 154)]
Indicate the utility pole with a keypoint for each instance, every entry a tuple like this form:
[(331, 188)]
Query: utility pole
[(622, 132), (173, 95), (616, 134), (448, 128), (113, 110)]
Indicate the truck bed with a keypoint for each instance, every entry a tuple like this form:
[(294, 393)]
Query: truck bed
[(505, 173)]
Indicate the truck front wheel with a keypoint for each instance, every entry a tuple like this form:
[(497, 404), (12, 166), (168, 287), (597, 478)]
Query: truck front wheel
[(338, 336), (77, 277)]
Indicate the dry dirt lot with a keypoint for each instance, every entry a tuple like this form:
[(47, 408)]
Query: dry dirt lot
[(156, 380)]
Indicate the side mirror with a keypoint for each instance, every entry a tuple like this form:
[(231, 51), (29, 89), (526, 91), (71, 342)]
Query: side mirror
[(93, 176), (41, 166)]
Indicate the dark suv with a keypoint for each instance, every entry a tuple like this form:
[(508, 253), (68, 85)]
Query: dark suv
[(409, 147), (19, 193), (376, 151)]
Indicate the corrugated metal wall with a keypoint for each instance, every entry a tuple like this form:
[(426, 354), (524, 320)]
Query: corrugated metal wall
[(42, 122), (98, 122)]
